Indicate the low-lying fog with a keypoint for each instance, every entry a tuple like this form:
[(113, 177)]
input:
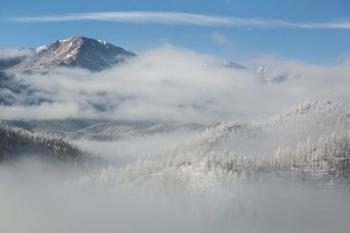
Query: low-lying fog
[(131, 148), (36, 198)]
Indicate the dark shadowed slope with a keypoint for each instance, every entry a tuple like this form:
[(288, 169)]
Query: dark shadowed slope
[(15, 143)]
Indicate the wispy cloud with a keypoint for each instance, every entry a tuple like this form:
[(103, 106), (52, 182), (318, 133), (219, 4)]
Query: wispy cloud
[(219, 38), (158, 17), (14, 53)]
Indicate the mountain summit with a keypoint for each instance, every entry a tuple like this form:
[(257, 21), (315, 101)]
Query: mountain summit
[(79, 52)]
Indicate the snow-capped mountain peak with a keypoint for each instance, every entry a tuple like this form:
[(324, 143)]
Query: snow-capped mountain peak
[(79, 52)]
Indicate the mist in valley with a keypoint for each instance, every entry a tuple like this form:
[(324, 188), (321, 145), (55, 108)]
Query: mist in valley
[(36, 197)]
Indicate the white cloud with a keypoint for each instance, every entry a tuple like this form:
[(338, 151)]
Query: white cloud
[(161, 17), (170, 83), (43, 111), (14, 53)]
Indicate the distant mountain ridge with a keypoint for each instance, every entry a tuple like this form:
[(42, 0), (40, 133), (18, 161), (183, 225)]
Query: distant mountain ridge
[(82, 52), (102, 130)]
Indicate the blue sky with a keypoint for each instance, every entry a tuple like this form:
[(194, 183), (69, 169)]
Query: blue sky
[(238, 42)]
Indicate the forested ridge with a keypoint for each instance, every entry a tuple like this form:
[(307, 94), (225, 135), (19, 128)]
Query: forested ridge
[(15, 142)]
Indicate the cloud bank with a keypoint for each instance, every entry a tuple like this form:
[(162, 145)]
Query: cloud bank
[(174, 84), (161, 17)]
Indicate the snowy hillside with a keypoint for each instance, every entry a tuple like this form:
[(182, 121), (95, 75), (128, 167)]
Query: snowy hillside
[(309, 142), (15, 142)]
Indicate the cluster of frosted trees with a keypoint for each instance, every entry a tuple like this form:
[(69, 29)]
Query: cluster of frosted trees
[(16, 142), (310, 141)]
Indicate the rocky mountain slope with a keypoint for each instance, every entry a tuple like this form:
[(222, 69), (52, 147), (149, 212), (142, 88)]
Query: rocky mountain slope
[(79, 52)]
